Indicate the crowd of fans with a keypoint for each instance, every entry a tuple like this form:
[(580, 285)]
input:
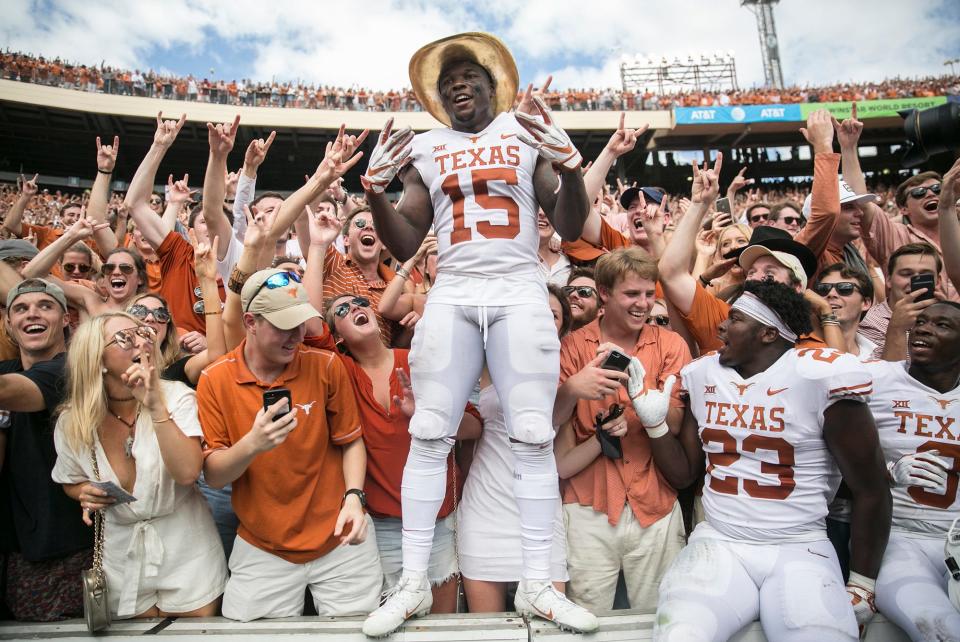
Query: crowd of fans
[(300, 95), (143, 330)]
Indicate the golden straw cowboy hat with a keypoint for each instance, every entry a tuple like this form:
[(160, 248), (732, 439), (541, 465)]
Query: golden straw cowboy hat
[(486, 50)]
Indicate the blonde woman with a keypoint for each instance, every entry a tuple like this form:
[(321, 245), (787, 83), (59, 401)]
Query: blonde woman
[(162, 556)]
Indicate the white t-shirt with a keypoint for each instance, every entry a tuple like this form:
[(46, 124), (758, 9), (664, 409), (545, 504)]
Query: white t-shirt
[(769, 473)]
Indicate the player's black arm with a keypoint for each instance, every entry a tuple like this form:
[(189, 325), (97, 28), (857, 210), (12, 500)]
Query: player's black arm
[(851, 436), (402, 229), (679, 457), (568, 207)]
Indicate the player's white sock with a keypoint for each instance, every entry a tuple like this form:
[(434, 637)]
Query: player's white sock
[(421, 495), (536, 486)]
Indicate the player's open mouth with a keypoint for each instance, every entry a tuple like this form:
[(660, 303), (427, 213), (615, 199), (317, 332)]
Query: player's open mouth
[(35, 328), (919, 343), (460, 99), (361, 318)]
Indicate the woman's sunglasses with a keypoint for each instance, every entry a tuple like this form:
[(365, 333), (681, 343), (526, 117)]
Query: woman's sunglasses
[(126, 339), (140, 311), (342, 309), (125, 268), (658, 319), (79, 268)]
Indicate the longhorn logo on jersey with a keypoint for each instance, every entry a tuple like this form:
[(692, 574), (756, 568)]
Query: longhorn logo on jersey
[(742, 387), (943, 402)]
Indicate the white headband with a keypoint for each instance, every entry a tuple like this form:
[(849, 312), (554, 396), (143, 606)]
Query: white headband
[(753, 307)]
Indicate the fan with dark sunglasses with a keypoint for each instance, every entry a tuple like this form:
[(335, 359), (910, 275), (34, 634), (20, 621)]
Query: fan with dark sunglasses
[(843, 288), (140, 311), (658, 319)]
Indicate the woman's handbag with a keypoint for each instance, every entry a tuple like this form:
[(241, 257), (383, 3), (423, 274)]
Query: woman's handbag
[(96, 606)]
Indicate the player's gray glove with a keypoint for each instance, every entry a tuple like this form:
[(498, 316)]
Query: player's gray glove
[(922, 469), (548, 138), (392, 152), (651, 406)]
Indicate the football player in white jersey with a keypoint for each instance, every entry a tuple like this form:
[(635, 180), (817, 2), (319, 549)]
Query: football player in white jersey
[(479, 183), (916, 405), (774, 424)]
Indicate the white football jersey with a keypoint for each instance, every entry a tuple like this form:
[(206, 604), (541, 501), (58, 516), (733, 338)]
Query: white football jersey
[(485, 213), (910, 418), (769, 473)]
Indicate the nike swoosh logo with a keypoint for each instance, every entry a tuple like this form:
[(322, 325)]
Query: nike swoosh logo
[(771, 391), (413, 610), (506, 136), (548, 615)]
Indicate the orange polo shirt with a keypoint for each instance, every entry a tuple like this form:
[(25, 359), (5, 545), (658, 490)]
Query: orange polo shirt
[(707, 312), (289, 498), (386, 437), (606, 484)]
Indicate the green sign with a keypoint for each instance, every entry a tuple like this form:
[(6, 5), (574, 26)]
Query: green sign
[(873, 108)]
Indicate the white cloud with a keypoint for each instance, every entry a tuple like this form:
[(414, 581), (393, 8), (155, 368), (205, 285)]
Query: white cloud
[(370, 43)]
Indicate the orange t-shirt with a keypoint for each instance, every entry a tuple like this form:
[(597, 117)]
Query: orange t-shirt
[(180, 286), (288, 498), (154, 275), (610, 239), (386, 437), (707, 312), (606, 484), (340, 276)]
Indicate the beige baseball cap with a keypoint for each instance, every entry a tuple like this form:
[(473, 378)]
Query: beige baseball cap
[(279, 297), (789, 261)]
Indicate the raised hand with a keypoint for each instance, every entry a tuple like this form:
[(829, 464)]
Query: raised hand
[(636, 373), (28, 187), (258, 227), (551, 142), (404, 401), (624, 140), (143, 379), (222, 137), (848, 132), (950, 189), (339, 156), (107, 155), (819, 131), (204, 256), (230, 181), (527, 106), (390, 154), (739, 182), (324, 227), (179, 192), (85, 228), (167, 130), (257, 151), (706, 242), (706, 182)]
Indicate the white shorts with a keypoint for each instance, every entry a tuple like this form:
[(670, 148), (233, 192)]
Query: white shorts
[(345, 581), (715, 587), (912, 587), (443, 553), (598, 551), (522, 352)]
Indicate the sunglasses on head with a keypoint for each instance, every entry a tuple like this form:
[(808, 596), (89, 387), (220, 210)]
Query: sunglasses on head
[(140, 311), (919, 192), (126, 339), (125, 268), (278, 280), (843, 288), (79, 268), (342, 309), (583, 291), (756, 218), (658, 319)]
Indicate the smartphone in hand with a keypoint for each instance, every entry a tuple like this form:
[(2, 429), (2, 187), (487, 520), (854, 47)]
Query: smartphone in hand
[(274, 395), (922, 282)]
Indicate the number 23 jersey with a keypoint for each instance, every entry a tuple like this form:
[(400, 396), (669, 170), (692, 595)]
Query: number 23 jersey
[(485, 213), (911, 418), (769, 474)]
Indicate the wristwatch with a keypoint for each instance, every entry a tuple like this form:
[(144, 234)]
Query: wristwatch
[(362, 496)]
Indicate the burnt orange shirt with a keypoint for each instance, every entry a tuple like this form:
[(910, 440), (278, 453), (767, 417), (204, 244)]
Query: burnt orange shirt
[(180, 286), (583, 252), (707, 312), (341, 276), (386, 437), (606, 484), (289, 498)]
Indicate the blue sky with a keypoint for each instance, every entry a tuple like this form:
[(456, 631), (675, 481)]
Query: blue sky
[(580, 43)]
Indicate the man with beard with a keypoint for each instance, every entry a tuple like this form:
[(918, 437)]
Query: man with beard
[(581, 291), (479, 184)]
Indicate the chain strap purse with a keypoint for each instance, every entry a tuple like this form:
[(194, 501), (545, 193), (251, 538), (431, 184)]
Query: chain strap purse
[(96, 606)]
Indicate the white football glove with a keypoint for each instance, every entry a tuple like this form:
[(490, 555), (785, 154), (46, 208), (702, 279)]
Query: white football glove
[(923, 469), (548, 138), (652, 406), (861, 591), (392, 152)]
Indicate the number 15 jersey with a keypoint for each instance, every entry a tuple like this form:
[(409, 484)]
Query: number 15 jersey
[(485, 213), (769, 473)]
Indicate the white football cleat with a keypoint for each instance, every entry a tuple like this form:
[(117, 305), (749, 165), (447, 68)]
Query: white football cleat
[(951, 554), (543, 600), (411, 597)]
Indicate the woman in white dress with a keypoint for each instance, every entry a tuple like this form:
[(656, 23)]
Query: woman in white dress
[(488, 526), (161, 553)]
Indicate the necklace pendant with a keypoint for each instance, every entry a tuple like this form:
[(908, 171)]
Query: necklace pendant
[(128, 447)]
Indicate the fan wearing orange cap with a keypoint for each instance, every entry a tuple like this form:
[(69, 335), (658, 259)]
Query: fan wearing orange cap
[(479, 183)]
